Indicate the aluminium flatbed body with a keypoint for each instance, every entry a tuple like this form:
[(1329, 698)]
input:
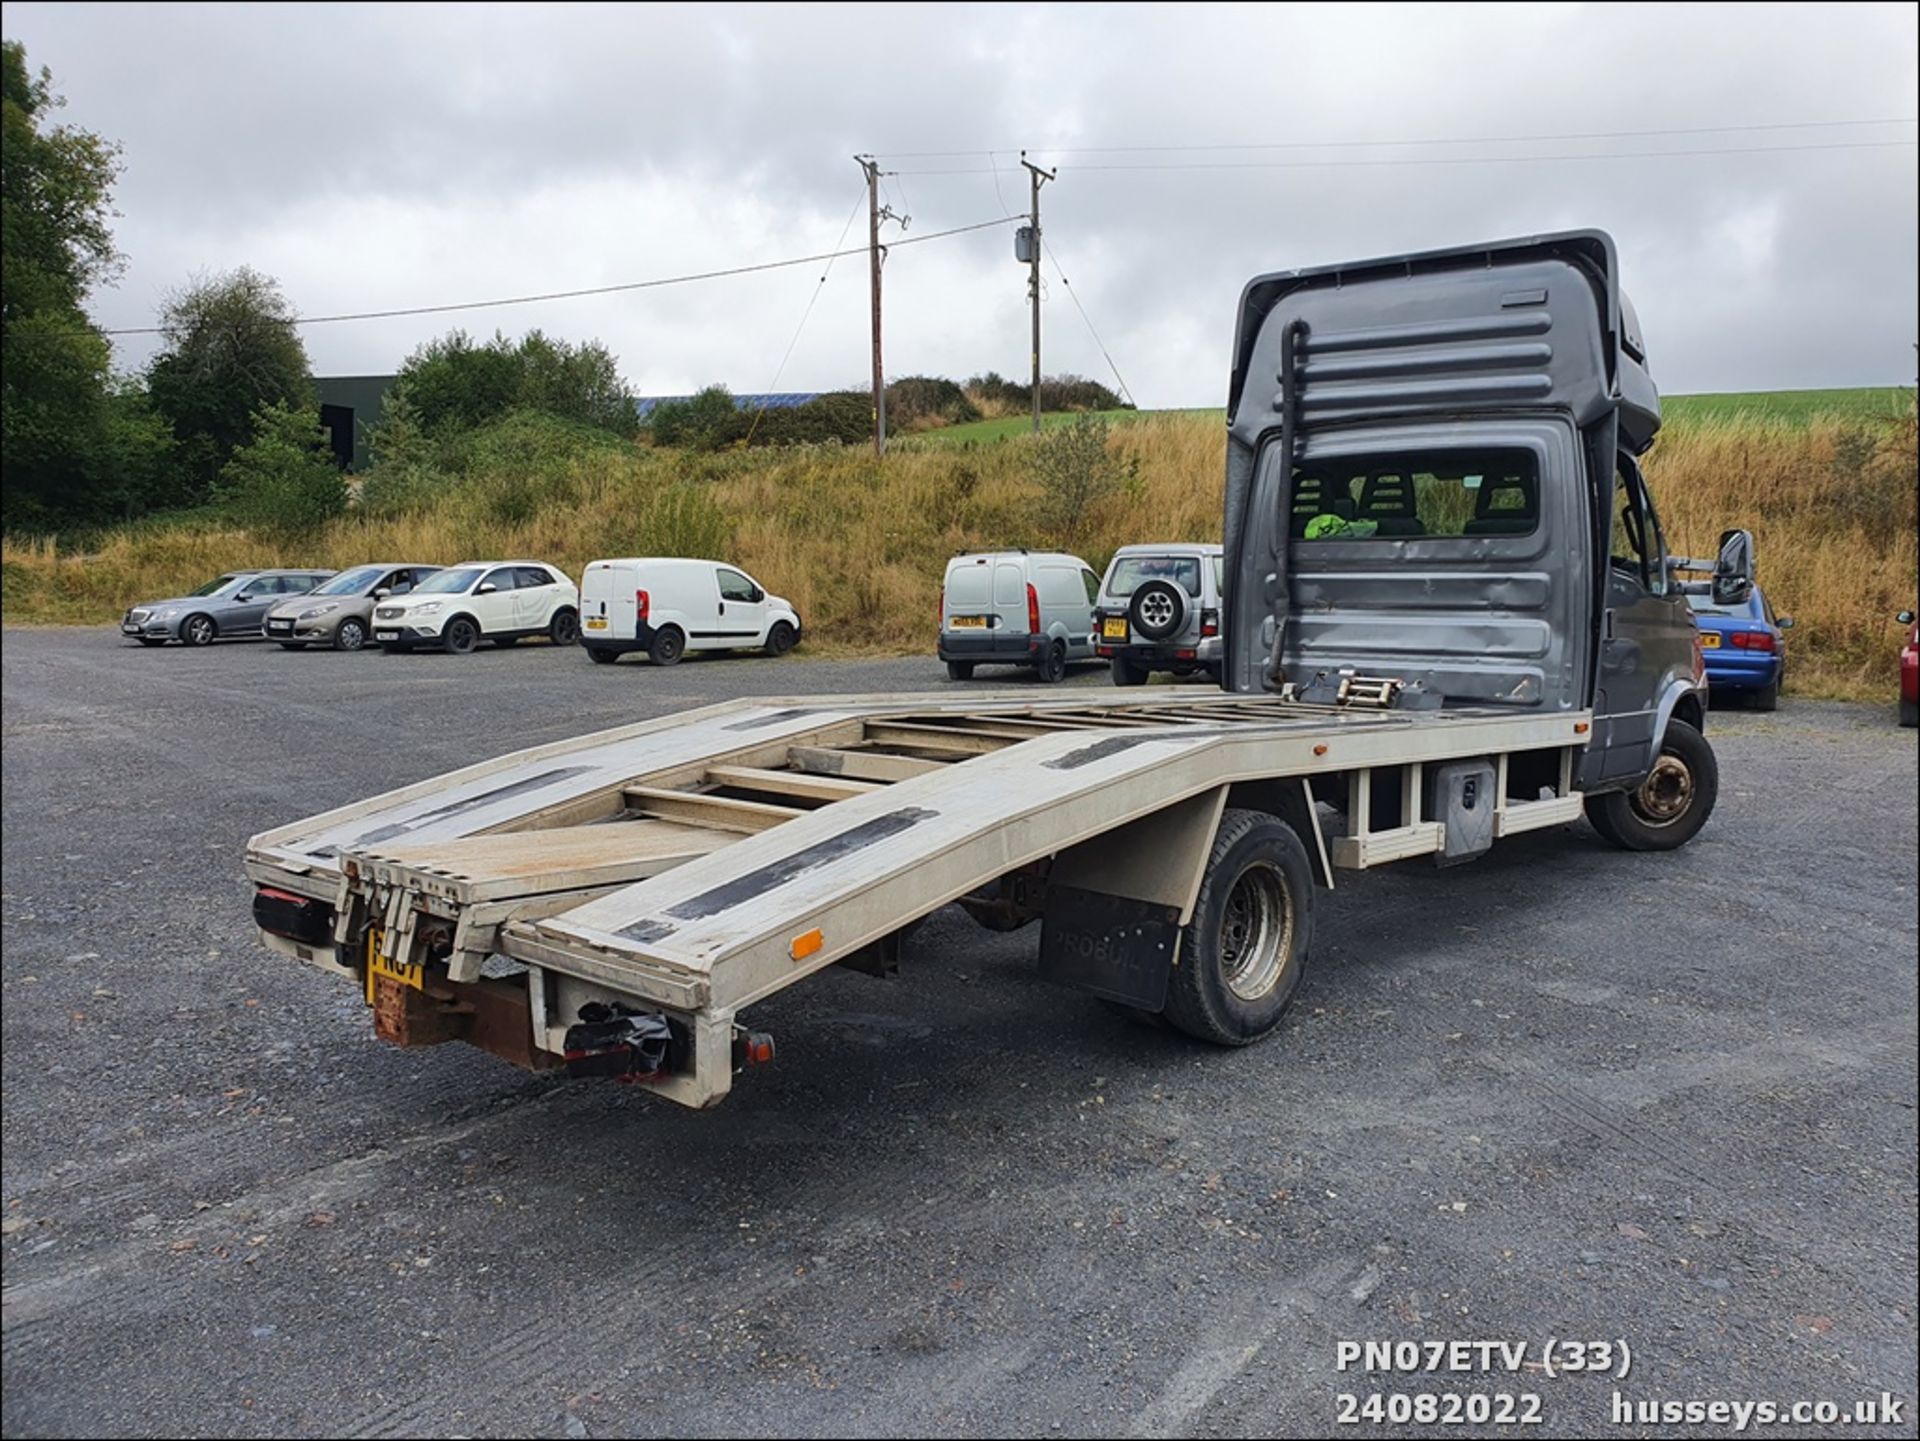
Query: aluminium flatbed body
[(688, 867)]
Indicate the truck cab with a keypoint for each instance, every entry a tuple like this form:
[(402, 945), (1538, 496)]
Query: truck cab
[(1433, 475)]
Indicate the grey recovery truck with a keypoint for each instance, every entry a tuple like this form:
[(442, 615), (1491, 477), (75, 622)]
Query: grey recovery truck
[(1450, 619)]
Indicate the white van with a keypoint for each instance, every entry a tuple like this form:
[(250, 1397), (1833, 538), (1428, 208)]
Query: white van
[(1017, 607), (668, 607)]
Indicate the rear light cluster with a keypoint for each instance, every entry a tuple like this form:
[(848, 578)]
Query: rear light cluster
[(1750, 639), (1033, 611), (1209, 622), (640, 606)]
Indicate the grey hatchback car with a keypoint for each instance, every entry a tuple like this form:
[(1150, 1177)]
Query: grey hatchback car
[(230, 605), (340, 613)]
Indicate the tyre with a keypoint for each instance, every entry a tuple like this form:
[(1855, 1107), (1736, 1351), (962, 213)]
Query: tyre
[(1909, 713), (1767, 697), (1667, 809), (780, 639), (293, 645), (1125, 672), (350, 634), (1158, 609), (150, 640), (959, 670), (198, 630), (669, 644), (1242, 955), (564, 628), (599, 655), (1052, 665), (460, 636)]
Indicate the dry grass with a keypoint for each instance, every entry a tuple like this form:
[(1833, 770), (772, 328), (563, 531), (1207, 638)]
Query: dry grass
[(859, 545)]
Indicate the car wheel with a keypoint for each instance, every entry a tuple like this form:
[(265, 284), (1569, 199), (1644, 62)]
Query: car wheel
[(350, 634), (460, 636), (1125, 672), (1767, 697), (564, 628), (599, 655), (1158, 609), (959, 670), (1052, 665), (780, 639), (1667, 809), (669, 644), (198, 630), (1242, 956), (150, 640)]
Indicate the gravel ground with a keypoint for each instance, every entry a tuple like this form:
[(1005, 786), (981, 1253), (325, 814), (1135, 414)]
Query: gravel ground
[(1564, 1092)]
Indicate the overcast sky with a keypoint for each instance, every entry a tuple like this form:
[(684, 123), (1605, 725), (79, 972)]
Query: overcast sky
[(383, 156)]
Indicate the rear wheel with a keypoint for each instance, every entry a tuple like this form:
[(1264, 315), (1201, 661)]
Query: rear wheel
[(1667, 809), (564, 628), (781, 638), (198, 630), (1125, 672), (959, 670), (350, 634), (1052, 665), (600, 656), (1242, 955), (461, 636), (669, 644)]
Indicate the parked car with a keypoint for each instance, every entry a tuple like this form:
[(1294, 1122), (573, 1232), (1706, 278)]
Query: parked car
[(1910, 670), (230, 606), (495, 600), (1016, 607), (1745, 646), (667, 606), (1159, 609), (340, 613)]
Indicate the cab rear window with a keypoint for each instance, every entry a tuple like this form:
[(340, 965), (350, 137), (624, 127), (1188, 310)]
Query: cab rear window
[(1411, 496)]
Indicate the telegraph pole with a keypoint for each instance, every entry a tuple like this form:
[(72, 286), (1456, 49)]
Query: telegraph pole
[(872, 167), (1037, 177)]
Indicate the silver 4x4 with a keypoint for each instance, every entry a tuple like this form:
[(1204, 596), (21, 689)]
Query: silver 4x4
[(1159, 609)]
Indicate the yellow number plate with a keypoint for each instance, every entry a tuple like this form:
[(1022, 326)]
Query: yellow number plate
[(1114, 627), (596, 622), (1709, 640), (378, 965), (967, 622)]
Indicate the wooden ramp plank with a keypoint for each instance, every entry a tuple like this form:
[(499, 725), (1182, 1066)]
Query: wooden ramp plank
[(721, 812), (519, 863), (789, 783), (860, 765)]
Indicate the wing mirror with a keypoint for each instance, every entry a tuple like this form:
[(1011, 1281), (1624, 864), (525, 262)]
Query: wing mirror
[(1905, 617), (756, 595), (380, 592), (1785, 622), (1733, 570), (487, 587), (242, 598)]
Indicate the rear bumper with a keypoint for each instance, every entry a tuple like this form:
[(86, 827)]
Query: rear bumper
[(989, 646), (1910, 675), (1160, 657), (1731, 670), (606, 645)]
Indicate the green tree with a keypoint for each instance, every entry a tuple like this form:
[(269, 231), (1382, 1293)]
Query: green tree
[(457, 384), (701, 422), (229, 351), (1076, 471), (72, 447), (283, 481)]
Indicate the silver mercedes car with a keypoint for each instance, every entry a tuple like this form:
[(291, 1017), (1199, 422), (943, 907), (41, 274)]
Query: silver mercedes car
[(230, 605)]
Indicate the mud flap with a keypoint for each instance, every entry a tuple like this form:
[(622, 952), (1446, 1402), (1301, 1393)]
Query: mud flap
[(1115, 947)]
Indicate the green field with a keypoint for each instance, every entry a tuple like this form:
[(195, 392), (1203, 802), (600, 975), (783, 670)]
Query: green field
[(1879, 402)]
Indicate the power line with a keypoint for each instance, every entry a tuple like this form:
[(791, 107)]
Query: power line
[(812, 300), (1074, 295), (592, 290), (1462, 140), (1456, 159)]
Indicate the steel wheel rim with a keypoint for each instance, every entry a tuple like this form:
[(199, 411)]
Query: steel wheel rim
[(1256, 932), (1156, 610), (1666, 794)]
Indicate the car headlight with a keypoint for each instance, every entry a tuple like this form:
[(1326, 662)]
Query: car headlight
[(166, 612), (320, 610), (432, 607)]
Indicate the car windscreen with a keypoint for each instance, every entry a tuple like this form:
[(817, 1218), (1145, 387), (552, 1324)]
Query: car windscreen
[(1130, 572), (352, 582), (216, 587), (457, 581)]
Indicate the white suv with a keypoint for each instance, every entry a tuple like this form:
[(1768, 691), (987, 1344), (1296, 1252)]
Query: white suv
[(1159, 609), (497, 600)]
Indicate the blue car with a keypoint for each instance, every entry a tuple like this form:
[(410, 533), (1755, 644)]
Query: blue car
[(1745, 647)]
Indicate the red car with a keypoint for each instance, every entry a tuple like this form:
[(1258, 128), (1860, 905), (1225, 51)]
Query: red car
[(1910, 671)]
